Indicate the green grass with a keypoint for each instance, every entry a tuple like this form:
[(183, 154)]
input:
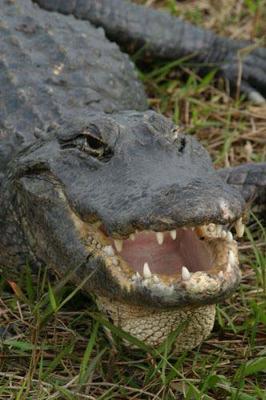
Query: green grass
[(60, 350), (61, 347)]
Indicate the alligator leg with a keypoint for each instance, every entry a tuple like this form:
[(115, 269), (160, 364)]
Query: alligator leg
[(250, 180), (161, 35)]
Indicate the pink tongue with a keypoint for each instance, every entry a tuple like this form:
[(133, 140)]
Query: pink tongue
[(168, 258)]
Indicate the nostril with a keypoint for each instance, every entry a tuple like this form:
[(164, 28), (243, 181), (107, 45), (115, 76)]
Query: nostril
[(181, 144)]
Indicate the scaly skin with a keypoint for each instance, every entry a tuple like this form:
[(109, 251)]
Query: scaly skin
[(250, 180), (84, 164), (153, 327), (162, 36)]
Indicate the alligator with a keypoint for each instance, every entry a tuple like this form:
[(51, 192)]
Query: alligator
[(108, 194)]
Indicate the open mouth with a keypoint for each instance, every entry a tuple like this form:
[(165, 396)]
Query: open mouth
[(201, 259), (156, 281)]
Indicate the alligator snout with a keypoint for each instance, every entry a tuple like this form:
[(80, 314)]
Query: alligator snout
[(145, 219), (142, 172)]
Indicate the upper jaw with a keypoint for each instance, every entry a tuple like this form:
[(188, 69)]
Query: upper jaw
[(168, 209)]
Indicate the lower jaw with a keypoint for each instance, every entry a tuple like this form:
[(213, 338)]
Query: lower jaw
[(152, 326)]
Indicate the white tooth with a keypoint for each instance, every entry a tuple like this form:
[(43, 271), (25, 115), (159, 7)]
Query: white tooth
[(156, 279), (132, 236), (231, 258), (219, 230), (173, 234), (185, 274), (138, 275), (118, 245), (159, 237), (221, 274), (223, 234), (211, 227), (229, 236), (146, 270), (240, 228), (109, 251)]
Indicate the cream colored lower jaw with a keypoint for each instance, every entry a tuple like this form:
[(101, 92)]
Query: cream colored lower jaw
[(153, 326)]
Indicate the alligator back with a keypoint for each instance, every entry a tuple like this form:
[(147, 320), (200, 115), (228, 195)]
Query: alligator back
[(54, 66)]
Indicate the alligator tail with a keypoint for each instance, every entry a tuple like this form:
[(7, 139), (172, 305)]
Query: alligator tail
[(157, 33)]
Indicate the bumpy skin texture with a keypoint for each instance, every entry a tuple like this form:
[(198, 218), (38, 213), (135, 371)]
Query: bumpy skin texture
[(153, 327), (62, 82), (163, 36), (53, 68), (250, 179)]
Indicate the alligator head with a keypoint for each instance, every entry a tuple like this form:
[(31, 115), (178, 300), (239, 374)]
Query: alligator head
[(132, 208)]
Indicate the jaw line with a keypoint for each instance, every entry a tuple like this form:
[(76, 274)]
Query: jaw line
[(199, 287)]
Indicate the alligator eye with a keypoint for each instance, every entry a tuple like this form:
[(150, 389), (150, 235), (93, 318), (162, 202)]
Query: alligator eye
[(91, 145)]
